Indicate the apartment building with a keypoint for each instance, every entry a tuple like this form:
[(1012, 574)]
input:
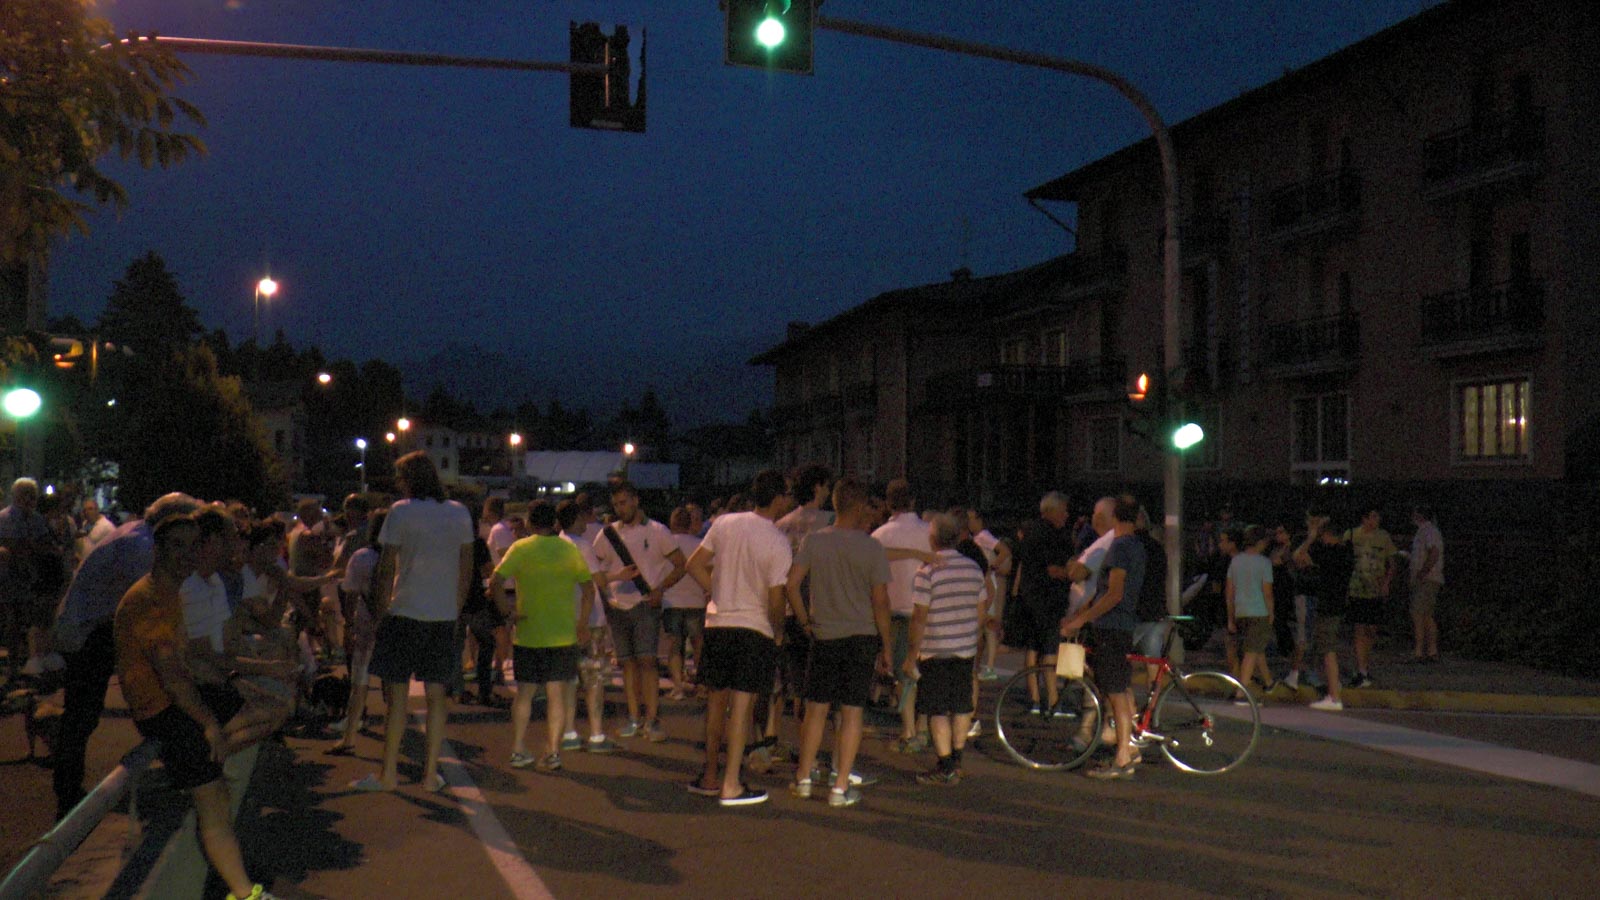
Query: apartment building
[(1390, 264)]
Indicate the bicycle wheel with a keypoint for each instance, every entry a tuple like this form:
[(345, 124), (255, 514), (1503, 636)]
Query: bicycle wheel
[(1043, 736), (1202, 730)]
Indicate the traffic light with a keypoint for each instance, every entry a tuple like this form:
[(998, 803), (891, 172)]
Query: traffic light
[(21, 402), (770, 34), (602, 101), (1158, 417)]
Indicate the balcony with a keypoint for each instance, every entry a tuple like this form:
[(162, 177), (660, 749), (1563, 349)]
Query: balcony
[(1503, 149), (1312, 346), (1204, 237), (1010, 382), (1488, 319), (1090, 275), (1327, 203)]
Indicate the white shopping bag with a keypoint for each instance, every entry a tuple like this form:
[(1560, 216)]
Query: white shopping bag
[(1069, 660)]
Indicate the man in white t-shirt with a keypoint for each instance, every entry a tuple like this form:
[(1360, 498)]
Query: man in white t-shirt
[(683, 614), (636, 580), (905, 538), (424, 571), (93, 527), (572, 517), (1085, 570), (744, 563), (1427, 577)]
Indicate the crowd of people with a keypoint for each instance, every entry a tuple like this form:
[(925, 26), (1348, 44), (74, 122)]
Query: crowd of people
[(805, 594)]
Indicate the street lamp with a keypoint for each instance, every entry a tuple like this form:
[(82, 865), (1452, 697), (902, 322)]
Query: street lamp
[(361, 444), (389, 436), (266, 287), (324, 379)]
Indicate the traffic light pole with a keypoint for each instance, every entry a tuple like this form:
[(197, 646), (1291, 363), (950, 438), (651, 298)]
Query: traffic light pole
[(211, 47), (1172, 472)]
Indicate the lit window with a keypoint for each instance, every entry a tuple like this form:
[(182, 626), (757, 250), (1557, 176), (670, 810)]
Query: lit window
[(1320, 439), (1492, 420)]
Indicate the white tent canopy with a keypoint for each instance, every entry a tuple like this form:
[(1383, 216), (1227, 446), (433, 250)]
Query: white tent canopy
[(580, 467)]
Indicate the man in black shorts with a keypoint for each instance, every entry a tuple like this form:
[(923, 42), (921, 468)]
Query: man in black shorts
[(742, 618), (949, 599), (849, 623), (1114, 612), (150, 642)]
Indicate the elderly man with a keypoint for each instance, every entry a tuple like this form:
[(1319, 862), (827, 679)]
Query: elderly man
[(83, 635), (950, 602)]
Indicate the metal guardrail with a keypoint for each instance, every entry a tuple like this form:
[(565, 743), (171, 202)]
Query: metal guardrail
[(49, 852)]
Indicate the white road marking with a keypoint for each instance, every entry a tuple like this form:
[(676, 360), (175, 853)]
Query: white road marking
[(1505, 762)]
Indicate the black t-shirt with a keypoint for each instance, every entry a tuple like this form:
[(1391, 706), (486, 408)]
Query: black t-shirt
[(477, 594), (1330, 574), (1043, 545), (970, 549), (1153, 592)]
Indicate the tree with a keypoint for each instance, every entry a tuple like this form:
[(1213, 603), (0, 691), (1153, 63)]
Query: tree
[(70, 93), (147, 313)]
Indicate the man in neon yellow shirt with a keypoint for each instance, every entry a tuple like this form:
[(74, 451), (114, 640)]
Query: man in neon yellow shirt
[(547, 630)]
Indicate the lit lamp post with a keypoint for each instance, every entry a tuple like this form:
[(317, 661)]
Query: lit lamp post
[(361, 444), (21, 404), (266, 288), (324, 379), (514, 441), (627, 456)]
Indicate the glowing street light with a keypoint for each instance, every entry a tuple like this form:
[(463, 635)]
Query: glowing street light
[(361, 444), (628, 448), (267, 288), (324, 379), (515, 439), (21, 403), (389, 436), (403, 424)]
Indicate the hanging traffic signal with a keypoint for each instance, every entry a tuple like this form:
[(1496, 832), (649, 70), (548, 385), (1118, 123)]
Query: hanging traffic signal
[(770, 34), (1141, 389), (1187, 434), (601, 101), (1157, 416)]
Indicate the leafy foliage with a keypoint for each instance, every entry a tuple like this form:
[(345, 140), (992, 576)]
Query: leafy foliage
[(70, 93), (147, 311)]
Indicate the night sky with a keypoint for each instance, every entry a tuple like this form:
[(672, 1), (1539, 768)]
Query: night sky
[(405, 210)]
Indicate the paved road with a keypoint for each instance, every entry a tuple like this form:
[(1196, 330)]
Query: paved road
[(1306, 816)]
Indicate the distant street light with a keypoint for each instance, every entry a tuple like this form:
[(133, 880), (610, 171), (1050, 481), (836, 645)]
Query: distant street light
[(266, 287), (515, 439), (403, 424), (324, 379), (389, 436), (628, 448), (361, 444)]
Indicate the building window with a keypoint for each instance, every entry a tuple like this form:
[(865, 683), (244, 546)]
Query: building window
[(1055, 347), (1320, 452), (1105, 444), (1014, 352), (444, 463), (1492, 420), (1204, 455)]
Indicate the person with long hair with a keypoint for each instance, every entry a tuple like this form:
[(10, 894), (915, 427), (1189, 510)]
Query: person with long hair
[(424, 571)]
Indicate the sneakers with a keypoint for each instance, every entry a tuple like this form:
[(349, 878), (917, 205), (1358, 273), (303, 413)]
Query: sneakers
[(257, 892), (748, 797), (1328, 704), (571, 741), (858, 778), (801, 789), (655, 732), (939, 776), (1362, 680), (1292, 680), (523, 760), (548, 763), (629, 730), (603, 745), (987, 673), (976, 730), (846, 797)]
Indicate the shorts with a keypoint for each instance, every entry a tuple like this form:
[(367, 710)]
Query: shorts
[(184, 749), (1113, 673), (899, 645), (738, 659), (1365, 611), (684, 622), (1148, 638), (1041, 628), (1424, 597), (945, 688), (407, 647), (223, 700), (542, 665), (634, 632), (1255, 633), (842, 669), (1325, 637)]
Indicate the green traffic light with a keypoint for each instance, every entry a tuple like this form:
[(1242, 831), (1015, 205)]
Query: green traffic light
[(21, 403), (1187, 435), (770, 33)]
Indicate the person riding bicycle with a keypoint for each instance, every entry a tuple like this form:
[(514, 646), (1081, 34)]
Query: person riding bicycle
[(1114, 614)]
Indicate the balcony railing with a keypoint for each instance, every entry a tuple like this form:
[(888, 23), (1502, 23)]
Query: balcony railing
[(1507, 144), (1513, 308), (1074, 379), (1313, 342), (1315, 203)]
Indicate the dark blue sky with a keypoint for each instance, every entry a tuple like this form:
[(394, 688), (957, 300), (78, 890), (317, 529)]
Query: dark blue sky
[(403, 208)]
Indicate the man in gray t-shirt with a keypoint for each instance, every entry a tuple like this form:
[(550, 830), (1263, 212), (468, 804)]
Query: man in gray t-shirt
[(849, 624)]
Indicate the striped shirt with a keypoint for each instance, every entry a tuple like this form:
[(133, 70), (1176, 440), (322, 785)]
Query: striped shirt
[(951, 593)]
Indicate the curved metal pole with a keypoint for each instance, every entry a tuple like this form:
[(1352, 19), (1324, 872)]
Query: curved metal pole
[(1172, 472)]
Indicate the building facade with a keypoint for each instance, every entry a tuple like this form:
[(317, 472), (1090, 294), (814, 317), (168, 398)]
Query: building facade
[(1390, 264)]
